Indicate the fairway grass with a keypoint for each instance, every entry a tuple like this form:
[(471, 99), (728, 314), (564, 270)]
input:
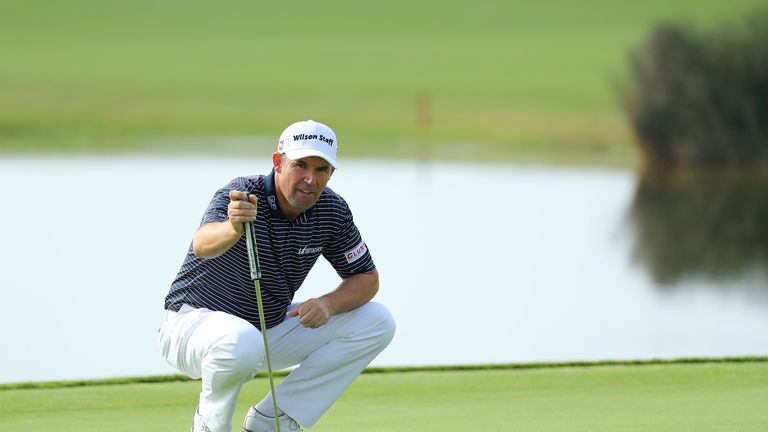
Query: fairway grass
[(703, 397), (525, 79)]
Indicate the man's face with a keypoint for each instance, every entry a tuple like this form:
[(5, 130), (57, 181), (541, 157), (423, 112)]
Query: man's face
[(299, 182)]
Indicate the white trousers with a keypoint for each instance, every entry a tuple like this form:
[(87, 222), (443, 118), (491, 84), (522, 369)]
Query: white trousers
[(227, 351)]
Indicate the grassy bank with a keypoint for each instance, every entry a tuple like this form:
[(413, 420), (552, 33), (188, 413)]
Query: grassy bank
[(520, 79), (723, 396)]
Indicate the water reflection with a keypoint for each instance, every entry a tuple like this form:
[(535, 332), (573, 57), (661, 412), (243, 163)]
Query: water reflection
[(703, 225)]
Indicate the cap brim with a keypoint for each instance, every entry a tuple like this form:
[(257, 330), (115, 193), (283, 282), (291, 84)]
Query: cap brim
[(302, 153)]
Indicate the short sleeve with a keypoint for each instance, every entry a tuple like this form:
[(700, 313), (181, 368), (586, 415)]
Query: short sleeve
[(346, 251)]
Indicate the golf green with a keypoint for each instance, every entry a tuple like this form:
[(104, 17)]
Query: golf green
[(682, 397)]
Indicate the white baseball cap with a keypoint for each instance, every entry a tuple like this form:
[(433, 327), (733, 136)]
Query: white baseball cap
[(309, 138)]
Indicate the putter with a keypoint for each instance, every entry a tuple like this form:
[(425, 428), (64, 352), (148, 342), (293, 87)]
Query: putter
[(253, 260)]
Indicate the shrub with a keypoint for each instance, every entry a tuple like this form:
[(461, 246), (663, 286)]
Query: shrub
[(700, 99)]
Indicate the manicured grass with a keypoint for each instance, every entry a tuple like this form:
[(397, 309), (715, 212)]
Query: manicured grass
[(519, 78), (657, 397)]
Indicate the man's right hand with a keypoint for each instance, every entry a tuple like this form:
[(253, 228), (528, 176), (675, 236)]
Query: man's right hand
[(215, 238), (241, 208)]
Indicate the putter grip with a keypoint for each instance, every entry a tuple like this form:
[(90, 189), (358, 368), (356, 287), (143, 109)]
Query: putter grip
[(253, 253)]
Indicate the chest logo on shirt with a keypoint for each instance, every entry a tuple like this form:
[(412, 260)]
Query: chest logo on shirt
[(309, 250), (356, 253)]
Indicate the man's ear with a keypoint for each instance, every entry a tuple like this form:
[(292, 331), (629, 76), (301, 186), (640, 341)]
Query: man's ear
[(277, 161)]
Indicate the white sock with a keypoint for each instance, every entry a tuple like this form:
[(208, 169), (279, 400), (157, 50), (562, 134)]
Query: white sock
[(266, 408)]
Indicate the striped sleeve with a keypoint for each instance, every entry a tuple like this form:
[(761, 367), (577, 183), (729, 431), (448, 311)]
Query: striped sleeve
[(346, 250), (217, 209)]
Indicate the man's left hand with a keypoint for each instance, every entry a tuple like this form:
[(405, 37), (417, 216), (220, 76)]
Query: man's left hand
[(313, 313)]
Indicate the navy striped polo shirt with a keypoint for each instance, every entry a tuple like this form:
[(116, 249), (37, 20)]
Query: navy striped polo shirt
[(287, 251)]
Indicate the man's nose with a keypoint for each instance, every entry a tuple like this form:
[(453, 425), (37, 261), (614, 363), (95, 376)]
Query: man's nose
[(310, 178)]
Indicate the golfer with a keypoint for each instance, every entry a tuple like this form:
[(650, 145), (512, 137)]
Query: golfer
[(212, 332)]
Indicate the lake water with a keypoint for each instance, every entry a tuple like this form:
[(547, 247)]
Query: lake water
[(478, 263)]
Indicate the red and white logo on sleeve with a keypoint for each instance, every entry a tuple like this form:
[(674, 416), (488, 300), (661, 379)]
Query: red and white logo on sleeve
[(356, 253)]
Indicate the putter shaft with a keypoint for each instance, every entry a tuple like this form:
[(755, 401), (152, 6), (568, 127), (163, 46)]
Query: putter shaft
[(253, 260)]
